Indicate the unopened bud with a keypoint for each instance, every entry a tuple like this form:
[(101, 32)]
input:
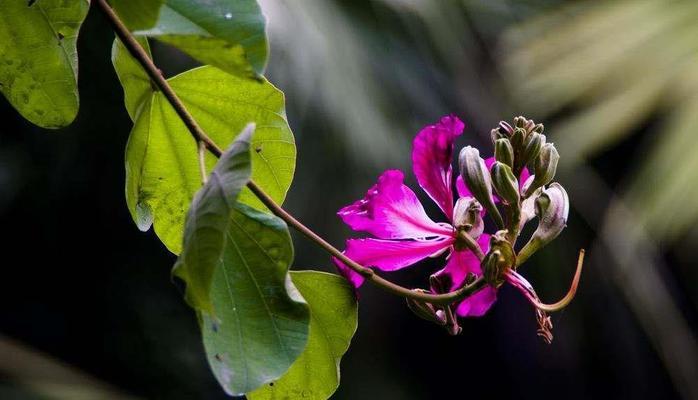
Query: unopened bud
[(504, 152), (544, 168), (498, 260), (467, 215), (477, 177), (497, 134), (528, 205), (505, 183), (504, 127), (532, 147), (538, 128), (552, 208), (520, 121), (517, 140)]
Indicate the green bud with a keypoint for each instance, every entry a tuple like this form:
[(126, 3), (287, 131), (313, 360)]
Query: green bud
[(517, 140), (520, 121), (498, 260), (552, 209), (538, 128), (505, 183), (504, 152), (532, 147), (478, 179), (544, 168), (467, 214)]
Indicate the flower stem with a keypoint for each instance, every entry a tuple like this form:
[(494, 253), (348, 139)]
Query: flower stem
[(204, 140)]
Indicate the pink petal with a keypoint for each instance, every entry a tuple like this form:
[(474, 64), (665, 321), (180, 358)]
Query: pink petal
[(391, 210), (432, 154), (387, 255), (478, 303), (462, 263)]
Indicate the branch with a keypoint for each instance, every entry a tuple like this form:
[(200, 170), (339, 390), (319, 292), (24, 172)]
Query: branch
[(200, 137)]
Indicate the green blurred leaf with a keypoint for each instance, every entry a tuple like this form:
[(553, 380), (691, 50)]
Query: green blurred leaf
[(333, 321), (38, 58), (611, 88), (261, 322), (228, 34), (138, 14), (161, 157), (208, 220)]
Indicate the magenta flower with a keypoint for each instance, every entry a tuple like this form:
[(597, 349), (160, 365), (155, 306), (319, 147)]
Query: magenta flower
[(404, 234)]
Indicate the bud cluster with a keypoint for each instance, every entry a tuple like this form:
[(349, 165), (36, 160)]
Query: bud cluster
[(517, 147)]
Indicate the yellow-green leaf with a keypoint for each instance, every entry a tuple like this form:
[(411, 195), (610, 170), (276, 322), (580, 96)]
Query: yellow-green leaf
[(39, 60)]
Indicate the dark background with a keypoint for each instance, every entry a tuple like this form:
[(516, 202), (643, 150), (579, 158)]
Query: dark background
[(82, 285)]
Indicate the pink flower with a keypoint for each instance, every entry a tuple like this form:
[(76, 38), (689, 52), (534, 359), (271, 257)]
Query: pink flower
[(403, 232)]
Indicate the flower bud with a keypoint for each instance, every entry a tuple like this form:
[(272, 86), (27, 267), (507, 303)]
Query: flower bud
[(504, 127), (497, 134), (544, 168), (520, 121), (503, 152), (478, 179), (528, 205), (532, 147), (517, 140), (552, 209), (498, 260), (505, 183), (467, 215)]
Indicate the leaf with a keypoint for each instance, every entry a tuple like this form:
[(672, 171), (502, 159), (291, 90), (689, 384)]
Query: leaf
[(38, 58), (208, 220), (333, 321), (228, 34), (133, 78), (161, 157), (261, 322), (140, 14)]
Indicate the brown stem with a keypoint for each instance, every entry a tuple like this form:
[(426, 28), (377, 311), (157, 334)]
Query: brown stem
[(200, 136)]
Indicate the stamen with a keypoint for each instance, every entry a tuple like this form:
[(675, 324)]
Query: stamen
[(545, 326)]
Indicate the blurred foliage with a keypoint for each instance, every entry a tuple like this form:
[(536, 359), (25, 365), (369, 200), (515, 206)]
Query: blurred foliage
[(619, 64)]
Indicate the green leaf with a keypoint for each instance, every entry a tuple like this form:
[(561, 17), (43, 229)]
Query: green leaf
[(162, 173), (133, 78), (208, 220), (228, 34), (39, 60), (261, 322), (333, 321), (140, 14)]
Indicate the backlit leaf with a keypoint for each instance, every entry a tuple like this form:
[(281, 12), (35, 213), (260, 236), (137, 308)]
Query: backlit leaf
[(39, 60)]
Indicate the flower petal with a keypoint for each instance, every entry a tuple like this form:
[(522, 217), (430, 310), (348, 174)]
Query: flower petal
[(432, 155), (460, 264), (478, 303), (391, 210), (387, 255)]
